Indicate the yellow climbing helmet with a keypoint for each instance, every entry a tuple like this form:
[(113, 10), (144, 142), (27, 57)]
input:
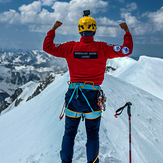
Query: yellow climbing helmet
[(87, 23)]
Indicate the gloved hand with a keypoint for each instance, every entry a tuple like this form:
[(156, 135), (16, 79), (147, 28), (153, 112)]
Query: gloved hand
[(124, 27), (56, 25)]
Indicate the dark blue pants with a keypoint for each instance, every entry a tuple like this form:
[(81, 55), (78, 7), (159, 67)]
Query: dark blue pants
[(79, 104)]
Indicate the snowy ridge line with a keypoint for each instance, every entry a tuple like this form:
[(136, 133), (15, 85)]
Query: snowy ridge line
[(33, 132), (146, 73)]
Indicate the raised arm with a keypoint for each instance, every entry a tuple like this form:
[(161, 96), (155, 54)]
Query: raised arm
[(52, 48), (113, 51)]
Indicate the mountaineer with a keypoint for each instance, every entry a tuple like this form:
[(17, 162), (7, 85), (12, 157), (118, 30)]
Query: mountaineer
[(86, 60)]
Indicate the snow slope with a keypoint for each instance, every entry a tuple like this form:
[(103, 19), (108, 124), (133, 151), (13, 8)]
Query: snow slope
[(32, 132), (146, 73), (121, 64)]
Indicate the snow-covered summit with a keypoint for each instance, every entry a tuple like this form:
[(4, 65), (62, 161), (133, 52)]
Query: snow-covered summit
[(146, 73), (32, 132)]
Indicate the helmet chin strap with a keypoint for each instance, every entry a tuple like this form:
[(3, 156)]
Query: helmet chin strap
[(87, 33)]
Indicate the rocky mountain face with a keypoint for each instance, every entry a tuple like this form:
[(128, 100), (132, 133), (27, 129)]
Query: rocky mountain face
[(18, 67), (42, 86), (25, 93), (11, 99)]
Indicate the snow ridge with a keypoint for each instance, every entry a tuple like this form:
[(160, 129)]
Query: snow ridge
[(146, 73), (32, 132)]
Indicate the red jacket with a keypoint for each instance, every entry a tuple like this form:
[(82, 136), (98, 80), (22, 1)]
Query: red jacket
[(87, 58)]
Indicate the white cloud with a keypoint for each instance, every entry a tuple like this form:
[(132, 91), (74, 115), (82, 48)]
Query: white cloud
[(29, 12), (33, 7), (72, 11), (47, 2), (138, 27), (107, 31), (62, 9), (132, 21), (107, 27), (129, 7), (10, 16), (69, 13), (46, 17), (134, 24), (106, 21), (40, 19), (156, 18)]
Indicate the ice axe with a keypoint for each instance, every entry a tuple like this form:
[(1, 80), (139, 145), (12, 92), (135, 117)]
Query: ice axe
[(118, 112)]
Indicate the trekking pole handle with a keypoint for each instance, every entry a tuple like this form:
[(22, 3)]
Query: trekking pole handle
[(129, 108), (120, 110)]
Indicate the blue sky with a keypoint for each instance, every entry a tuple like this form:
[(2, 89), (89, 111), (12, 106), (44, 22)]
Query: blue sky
[(24, 23)]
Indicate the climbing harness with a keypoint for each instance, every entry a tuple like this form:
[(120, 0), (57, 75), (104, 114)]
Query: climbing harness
[(90, 115), (79, 86), (118, 112)]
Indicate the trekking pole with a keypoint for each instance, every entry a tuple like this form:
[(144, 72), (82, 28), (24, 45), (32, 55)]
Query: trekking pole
[(118, 112)]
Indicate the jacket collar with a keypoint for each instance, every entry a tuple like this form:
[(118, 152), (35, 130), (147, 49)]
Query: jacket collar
[(86, 39)]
